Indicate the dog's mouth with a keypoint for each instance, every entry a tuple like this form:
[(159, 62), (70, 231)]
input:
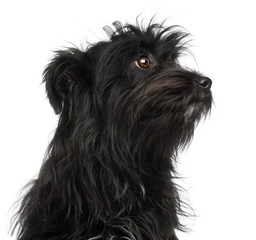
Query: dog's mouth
[(187, 109)]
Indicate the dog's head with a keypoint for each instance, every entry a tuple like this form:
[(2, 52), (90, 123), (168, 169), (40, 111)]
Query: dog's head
[(131, 88)]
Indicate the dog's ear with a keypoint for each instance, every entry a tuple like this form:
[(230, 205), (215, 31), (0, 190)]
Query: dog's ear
[(66, 70)]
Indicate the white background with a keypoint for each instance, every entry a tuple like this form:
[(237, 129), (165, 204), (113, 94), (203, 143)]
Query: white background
[(218, 168)]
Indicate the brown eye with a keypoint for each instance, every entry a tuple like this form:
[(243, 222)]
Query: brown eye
[(143, 62)]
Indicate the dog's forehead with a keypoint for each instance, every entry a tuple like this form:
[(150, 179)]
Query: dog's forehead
[(154, 38)]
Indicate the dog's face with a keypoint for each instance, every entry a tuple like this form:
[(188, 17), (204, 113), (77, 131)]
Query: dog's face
[(132, 87)]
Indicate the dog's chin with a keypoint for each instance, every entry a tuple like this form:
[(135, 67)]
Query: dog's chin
[(197, 106), (196, 111), (192, 113)]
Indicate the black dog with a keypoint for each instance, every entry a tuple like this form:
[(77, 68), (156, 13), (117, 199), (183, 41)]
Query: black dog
[(126, 107)]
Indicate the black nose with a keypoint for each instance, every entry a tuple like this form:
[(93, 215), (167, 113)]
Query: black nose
[(204, 82)]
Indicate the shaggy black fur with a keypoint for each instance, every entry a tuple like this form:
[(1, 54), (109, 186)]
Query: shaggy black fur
[(126, 106)]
